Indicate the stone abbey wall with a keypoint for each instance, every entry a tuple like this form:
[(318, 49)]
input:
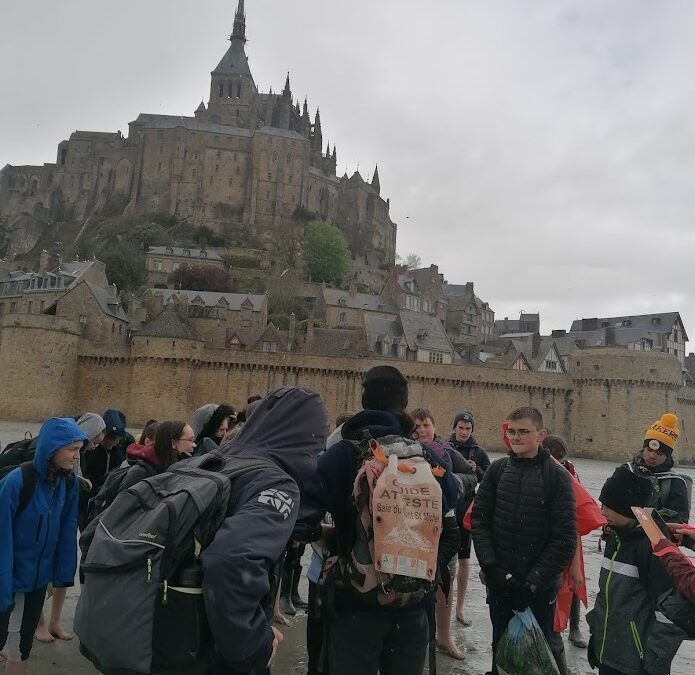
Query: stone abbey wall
[(603, 406)]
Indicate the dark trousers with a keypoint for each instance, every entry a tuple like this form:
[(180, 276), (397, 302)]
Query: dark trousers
[(543, 608), (367, 642), (314, 632), (17, 625)]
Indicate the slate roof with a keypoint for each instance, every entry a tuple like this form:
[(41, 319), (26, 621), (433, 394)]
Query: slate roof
[(190, 123), (235, 61), (374, 303), (545, 345), (350, 342), (378, 326), (210, 299), (169, 324), (109, 304), (639, 325), (249, 338), (423, 331), (458, 290), (180, 251)]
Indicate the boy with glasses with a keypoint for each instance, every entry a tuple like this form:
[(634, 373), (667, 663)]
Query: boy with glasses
[(524, 526)]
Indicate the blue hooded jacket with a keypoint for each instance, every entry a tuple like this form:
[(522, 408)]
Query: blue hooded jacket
[(40, 544)]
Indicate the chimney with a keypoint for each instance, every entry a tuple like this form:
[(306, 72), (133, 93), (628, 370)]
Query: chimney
[(113, 290), (293, 328), (43, 262), (469, 288), (535, 344), (353, 290), (559, 333), (309, 335)]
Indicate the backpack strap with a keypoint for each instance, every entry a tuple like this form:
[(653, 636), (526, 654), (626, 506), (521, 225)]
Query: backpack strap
[(497, 469), (550, 479), (29, 479)]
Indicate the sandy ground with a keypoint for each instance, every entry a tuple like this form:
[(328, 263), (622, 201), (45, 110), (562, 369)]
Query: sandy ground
[(63, 658)]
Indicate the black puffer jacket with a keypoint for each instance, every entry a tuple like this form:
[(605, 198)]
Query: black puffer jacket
[(524, 519)]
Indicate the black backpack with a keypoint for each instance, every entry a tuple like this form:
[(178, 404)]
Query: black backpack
[(678, 610), (141, 609), (20, 454), (112, 487), (29, 478)]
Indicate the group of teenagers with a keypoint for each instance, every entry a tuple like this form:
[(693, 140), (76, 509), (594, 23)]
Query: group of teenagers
[(520, 512)]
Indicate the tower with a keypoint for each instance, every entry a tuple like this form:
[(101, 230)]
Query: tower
[(232, 89)]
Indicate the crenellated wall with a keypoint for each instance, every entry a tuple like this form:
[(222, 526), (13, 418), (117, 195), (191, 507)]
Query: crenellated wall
[(602, 407)]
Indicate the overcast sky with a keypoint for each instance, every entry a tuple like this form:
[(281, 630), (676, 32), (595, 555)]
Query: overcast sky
[(544, 149)]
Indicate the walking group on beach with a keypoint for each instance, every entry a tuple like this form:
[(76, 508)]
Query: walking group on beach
[(191, 540)]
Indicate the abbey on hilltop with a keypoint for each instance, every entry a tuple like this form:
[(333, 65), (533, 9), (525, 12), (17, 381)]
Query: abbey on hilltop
[(244, 164)]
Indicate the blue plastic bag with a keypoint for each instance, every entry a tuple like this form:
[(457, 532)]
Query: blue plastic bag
[(523, 649)]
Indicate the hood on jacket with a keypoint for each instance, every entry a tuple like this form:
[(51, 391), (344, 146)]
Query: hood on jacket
[(145, 452), (638, 460), (202, 416), (209, 429), (470, 443), (115, 422), (379, 423), (55, 433), (289, 427), (92, 425)]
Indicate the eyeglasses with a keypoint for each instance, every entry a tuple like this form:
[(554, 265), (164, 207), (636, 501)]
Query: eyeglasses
[(521, 433), (189, 440)]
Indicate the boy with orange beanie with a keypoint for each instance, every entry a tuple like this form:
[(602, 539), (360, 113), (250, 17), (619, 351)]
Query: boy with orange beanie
[(655, 461)]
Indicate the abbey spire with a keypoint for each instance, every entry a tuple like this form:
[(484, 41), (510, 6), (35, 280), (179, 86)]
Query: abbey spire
[(239, 29)]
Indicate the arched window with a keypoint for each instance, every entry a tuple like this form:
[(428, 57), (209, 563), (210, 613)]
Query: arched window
[(221, 90), (229, 90), (238, 90)]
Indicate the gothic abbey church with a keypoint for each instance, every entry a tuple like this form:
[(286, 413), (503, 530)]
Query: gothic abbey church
[(243, 163)]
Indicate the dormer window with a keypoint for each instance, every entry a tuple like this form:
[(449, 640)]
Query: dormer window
[(187, 251), (203, 253), (656, 320), (170, 251), (341, 302), (627, 323)]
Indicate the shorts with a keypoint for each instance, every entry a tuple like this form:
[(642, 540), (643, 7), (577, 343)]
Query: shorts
[(465, 546), (17, 625)]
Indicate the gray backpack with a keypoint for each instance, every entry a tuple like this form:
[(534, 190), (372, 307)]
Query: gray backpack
[(141, 609)]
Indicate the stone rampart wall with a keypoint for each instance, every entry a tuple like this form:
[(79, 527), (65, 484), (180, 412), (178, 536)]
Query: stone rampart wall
[(602, 407)]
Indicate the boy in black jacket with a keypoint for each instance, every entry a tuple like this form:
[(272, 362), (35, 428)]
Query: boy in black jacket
[(524, 527)]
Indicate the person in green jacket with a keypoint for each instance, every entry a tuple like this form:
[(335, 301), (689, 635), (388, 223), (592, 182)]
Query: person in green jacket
[(628, 635)]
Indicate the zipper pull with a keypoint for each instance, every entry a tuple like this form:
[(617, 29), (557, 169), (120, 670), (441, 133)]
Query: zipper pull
[(149, 570), (164, 596)]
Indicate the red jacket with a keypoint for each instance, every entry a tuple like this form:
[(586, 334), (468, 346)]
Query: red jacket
[(680, 568)]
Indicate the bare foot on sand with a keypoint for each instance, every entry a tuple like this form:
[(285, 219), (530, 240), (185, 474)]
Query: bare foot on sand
[(452, 649), (42, 634), (463, 620), (57, 631), (281, 619)]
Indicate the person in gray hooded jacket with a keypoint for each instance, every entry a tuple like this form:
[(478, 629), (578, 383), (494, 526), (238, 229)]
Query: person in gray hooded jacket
[(289, 428)]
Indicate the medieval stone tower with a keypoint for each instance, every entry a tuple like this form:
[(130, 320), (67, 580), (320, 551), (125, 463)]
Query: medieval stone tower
[(244, 164)]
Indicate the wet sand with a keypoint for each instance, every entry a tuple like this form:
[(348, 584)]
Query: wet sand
[(63, 658)]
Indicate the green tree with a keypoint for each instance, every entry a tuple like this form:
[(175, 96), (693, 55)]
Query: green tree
[(326, 252), (201, 277), (125, 267)]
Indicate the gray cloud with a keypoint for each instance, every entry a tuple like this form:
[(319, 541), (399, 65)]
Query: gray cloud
[(541, 148)]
